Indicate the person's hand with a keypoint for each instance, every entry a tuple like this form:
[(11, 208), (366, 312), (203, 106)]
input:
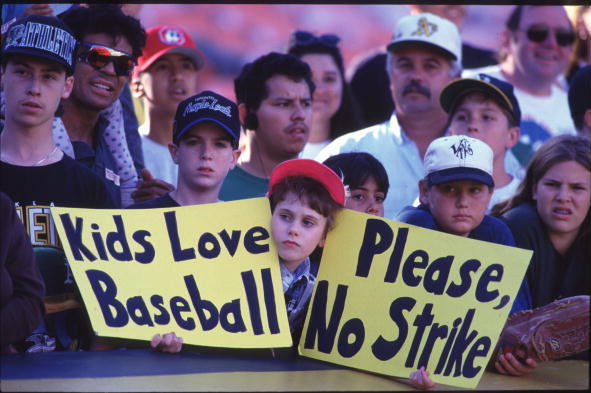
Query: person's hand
[(508, 364), (420, 379), (38, 9), (168, 342), (150, 188)]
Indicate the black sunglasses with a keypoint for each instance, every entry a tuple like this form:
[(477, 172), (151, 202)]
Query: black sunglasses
[(303, 38), (539, 34), (99, 56)]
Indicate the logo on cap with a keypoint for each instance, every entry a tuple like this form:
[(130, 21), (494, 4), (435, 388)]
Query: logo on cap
[(425, 28), (462, 149), (171, 36), (207, 102)]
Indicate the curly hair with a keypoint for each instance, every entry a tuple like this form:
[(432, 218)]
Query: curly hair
[(108, 19)]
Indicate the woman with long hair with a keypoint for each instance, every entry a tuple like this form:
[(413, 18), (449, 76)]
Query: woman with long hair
[(334, 110), (549, 214)]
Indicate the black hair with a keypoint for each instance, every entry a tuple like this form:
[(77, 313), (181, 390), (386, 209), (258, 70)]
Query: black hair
[(512, 23), (108, 19), (348, 117), (250, 86), (355, 168)]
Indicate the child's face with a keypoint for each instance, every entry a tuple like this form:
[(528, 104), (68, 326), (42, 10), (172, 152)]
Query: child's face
[(482, 118), (297, 230), (459, 206), (169, 80), (204, 156), (367, 199)]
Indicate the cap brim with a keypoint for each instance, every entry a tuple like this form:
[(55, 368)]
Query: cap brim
[(455, 89), (180, 134), (191, 53), (400, 43), (43, 55), (460, 173), (312, 169)]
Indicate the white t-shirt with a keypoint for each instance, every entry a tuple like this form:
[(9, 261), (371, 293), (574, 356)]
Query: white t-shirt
[(502, 193), (312, 149), (158, 161)]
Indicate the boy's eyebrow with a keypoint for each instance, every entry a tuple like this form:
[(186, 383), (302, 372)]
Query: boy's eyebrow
[(46, 67)]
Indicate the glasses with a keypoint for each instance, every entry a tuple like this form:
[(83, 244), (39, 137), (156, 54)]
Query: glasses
[(539, 34), (303, 38), (99, 56)]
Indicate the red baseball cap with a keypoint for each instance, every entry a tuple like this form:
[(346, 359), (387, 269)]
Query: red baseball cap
[(165, 39), (312, 169)]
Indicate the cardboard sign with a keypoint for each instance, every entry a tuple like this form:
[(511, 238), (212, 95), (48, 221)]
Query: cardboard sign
[(391, 297), (210, 273)]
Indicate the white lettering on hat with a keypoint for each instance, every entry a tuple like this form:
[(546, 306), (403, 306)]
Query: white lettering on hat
[(462, 149), (44, 37), (207, 102), (171, 36), (424, 27)]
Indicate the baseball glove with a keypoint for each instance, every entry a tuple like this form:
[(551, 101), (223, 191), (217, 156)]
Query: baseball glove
[(554, 331)]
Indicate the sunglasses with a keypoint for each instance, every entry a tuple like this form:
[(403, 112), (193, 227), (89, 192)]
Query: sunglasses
[(539, 34), (99, 56), (303, 38)]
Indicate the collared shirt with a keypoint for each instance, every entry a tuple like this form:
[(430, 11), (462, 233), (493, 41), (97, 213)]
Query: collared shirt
[(398, 154), (297, 288)]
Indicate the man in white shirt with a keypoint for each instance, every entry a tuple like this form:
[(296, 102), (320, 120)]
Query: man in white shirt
[(423, 56), (535, 48)]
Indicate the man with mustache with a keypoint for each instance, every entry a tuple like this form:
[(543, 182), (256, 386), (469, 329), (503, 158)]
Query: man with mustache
[(423, 56), (274, 95)]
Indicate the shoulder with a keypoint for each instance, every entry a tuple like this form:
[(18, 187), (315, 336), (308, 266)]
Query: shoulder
[(521, 216), (240, 184), (419, 216), (493, 230)]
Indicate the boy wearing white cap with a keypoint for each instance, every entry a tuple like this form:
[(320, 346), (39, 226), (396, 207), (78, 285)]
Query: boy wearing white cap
[(454, 196), (165, 75)]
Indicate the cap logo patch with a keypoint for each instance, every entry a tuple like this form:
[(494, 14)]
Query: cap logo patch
[(171, 36), (462, 149), (425, 28), (207, 102)]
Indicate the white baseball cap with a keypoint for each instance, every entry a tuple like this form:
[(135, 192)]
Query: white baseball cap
[(429, 29), (458, 157)]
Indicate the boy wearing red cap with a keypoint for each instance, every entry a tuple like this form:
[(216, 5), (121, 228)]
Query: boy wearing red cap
[(165, 75), (305, 196)]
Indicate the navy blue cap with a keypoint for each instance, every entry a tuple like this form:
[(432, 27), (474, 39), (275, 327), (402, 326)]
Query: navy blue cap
[(503, 91), (207, 106), (42, 36)]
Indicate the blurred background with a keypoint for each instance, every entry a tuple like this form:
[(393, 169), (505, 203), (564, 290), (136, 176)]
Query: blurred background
[(231, 35)]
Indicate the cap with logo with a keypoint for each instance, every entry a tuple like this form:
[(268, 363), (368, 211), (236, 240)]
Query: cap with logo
[(312, 169), (501, 91), (206, 106), (42, 36), (164, 39), (428, 29), (458, 157)]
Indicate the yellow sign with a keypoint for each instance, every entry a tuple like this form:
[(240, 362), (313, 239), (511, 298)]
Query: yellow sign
[(391, 297), (208, 272)]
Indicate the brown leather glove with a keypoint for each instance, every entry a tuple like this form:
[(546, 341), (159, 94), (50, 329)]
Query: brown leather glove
[(554, 331)]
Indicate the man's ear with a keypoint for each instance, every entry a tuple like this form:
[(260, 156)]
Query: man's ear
[(587, 119), (173, 150), (512, 137), (242, 113), (423, 192), (68, 86), (137, 88)]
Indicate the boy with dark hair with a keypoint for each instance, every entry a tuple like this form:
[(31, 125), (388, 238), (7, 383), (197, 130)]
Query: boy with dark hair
[(365, 179), (579, 101), (204, 145), (454, 196), (305, 197), (485, 108), (274, 95), (94, 128)]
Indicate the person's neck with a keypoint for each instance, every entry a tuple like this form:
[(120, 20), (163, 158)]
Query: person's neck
[(255, 161), (291, 266), (320, 130), (29, 146), (79, 121), (159, 126), (562, 241), (500, 175), (524, 81), (423, 127), (186, 196)]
